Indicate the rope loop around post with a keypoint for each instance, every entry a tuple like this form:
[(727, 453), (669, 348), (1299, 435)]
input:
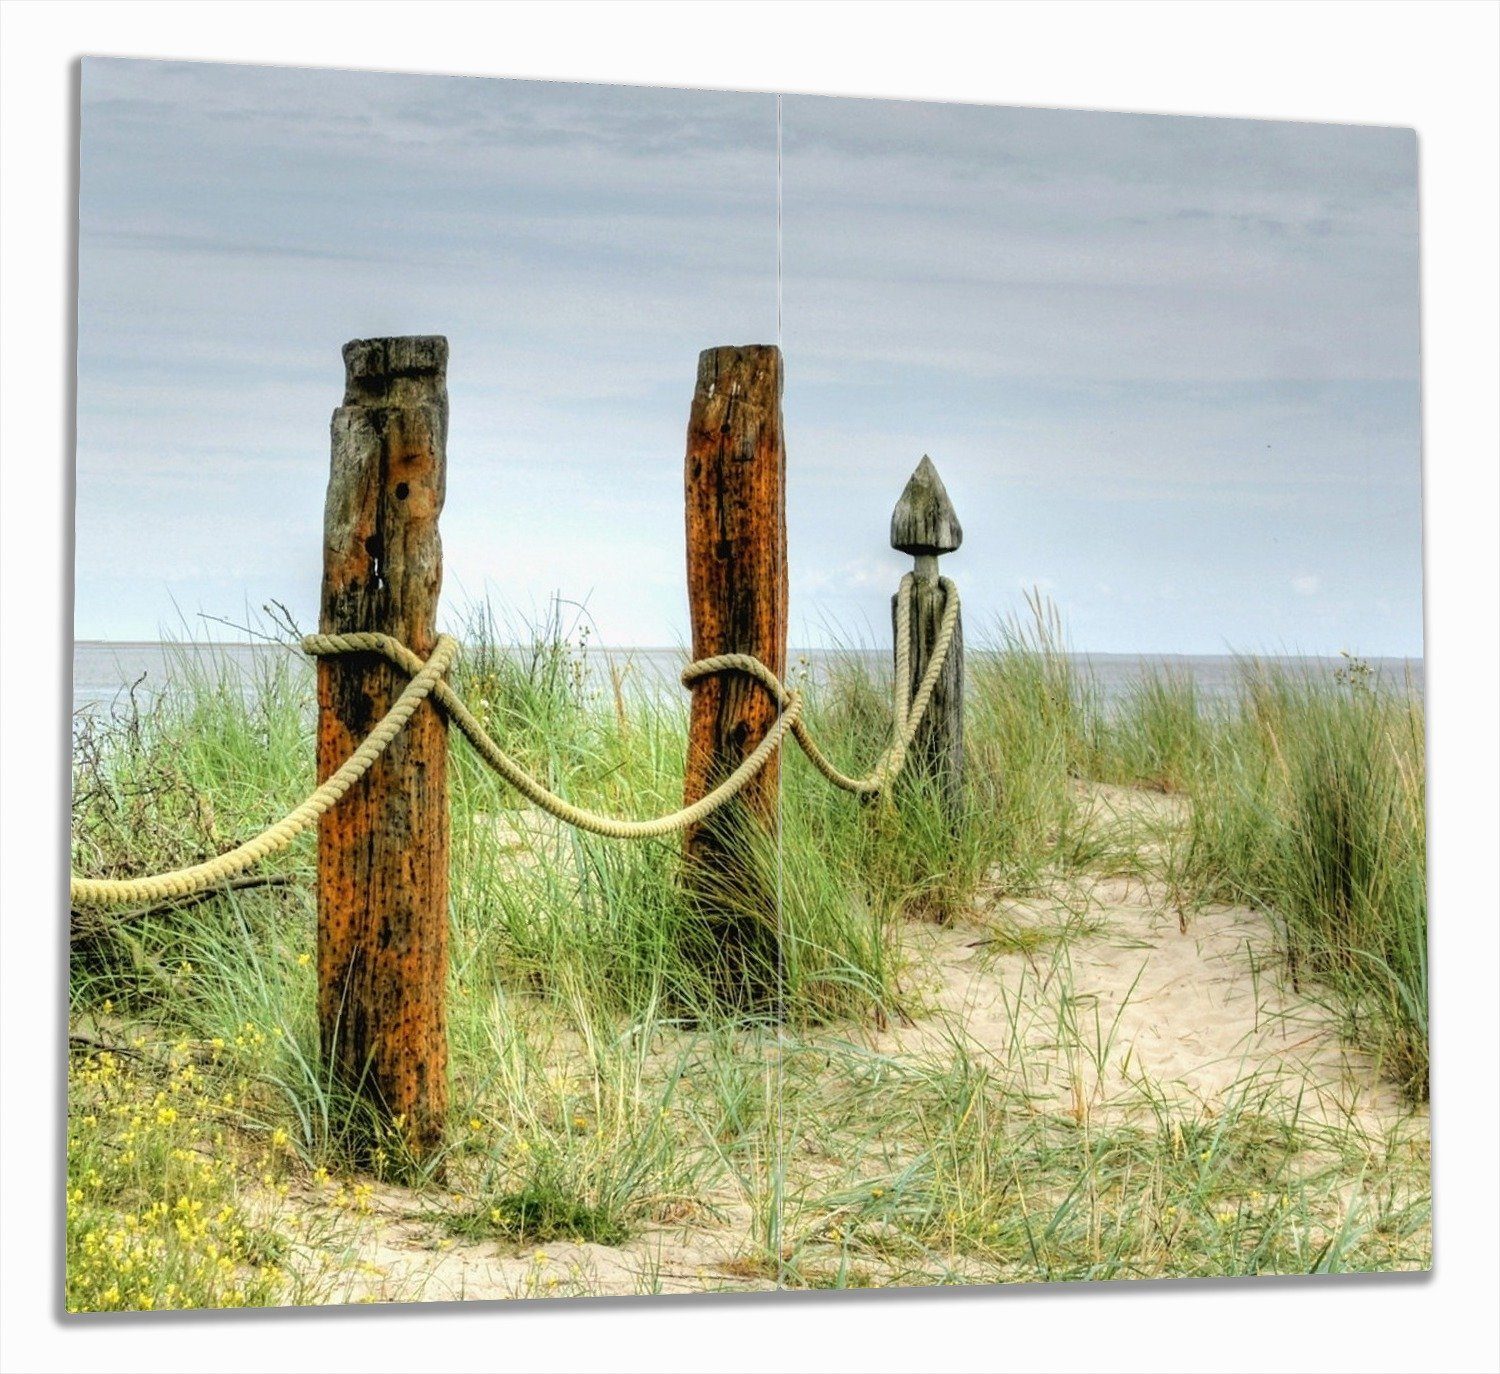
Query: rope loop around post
[(183, 882)]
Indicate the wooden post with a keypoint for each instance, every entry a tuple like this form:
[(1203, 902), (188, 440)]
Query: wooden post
[(735, 479), (925, 526), (383, 850)]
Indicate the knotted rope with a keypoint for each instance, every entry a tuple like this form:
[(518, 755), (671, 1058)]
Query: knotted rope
[(426, 679)]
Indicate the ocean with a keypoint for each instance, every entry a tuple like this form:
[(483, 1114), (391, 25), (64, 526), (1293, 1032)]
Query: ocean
[(105, 673)]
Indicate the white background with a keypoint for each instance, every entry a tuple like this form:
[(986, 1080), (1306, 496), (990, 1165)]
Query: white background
[(1431, 66)]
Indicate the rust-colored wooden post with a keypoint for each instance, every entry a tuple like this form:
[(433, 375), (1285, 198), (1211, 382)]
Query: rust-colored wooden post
[(383, 850), (735, 478), (924, 525)]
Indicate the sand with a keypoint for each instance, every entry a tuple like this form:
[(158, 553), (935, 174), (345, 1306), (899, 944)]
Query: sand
[(1094, 1001), (1195, 1016)]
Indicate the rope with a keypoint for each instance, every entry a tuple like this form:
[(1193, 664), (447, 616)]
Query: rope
[(427, 679), (182, 882)]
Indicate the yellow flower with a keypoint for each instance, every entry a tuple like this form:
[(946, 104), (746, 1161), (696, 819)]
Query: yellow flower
[(304, 959), (165, 1116)]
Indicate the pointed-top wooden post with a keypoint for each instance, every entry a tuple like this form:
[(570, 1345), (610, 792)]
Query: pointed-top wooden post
[(924, 525)]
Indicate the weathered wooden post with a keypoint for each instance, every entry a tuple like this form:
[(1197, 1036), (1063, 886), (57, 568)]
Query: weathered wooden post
[(383, 850), (735, 479), (925, 526)]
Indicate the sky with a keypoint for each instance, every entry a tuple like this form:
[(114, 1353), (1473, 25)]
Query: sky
[(1168, 367)]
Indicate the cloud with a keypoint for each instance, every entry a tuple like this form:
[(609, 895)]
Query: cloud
[(1143, 351), (1090, 247)]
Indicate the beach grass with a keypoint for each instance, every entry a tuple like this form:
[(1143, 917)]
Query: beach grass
[(604, 1094), (1311, 805)]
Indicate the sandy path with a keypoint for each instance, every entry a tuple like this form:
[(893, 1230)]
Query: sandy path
[(1095, 1024), (1092, 1002)]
